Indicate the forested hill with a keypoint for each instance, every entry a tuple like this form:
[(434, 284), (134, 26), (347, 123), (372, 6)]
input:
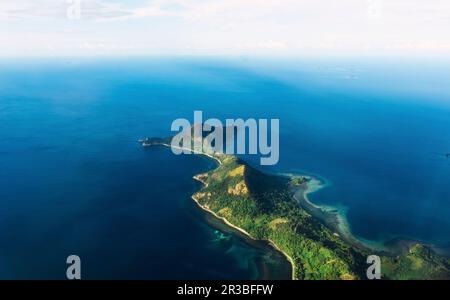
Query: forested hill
[(264, 207)]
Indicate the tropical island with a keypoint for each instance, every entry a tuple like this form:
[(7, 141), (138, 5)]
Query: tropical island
[(275, 208)]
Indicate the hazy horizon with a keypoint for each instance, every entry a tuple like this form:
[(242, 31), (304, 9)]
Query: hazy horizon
[(224, 27)]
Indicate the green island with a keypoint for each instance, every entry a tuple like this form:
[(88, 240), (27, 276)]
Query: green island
[(266, 207)]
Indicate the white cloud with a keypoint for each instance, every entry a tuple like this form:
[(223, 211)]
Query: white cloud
[(58, 9), (229, 26)]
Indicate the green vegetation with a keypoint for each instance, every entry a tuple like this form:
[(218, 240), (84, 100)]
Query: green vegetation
[(420, 263), (297, 181), (263, 206)]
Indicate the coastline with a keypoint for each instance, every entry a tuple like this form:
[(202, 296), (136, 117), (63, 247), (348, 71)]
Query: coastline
[(227, 222), (190, 150), (333, 217), (291, 261)]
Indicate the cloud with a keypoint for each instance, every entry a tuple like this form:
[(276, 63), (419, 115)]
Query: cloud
[(59, 9), (229, 26)]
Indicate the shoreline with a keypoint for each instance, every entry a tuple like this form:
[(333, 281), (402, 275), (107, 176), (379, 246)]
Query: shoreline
[(245, 233), (190, 150), (333, 217)]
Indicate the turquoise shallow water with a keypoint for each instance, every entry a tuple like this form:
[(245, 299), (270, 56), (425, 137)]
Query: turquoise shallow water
[(74, 180)]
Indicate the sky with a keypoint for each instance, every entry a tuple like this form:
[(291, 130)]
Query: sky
[(221, 27)]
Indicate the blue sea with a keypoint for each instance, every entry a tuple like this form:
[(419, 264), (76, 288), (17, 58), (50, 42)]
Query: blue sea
[(74, 180)]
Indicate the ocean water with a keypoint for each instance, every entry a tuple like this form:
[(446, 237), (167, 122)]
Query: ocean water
[(73, 179)]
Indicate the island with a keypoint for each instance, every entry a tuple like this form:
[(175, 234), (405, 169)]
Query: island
[(275, 208)]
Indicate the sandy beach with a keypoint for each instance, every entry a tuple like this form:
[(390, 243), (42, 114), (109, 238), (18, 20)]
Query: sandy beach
[(248, 235), (197, 177)]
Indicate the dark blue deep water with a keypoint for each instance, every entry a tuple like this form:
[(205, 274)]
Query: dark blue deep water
[(73, 179)]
